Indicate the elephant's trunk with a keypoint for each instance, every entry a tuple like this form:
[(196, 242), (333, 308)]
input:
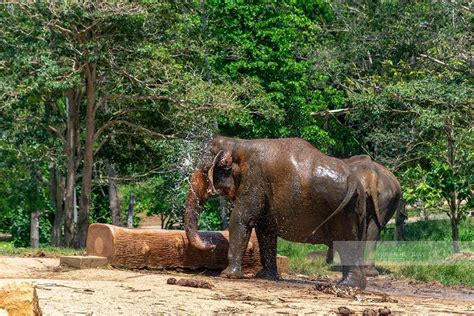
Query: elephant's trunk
[(197, 196)]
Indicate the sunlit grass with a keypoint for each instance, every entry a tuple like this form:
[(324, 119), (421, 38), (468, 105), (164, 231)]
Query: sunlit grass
[(7, 249), (457, 273), (299, 260)]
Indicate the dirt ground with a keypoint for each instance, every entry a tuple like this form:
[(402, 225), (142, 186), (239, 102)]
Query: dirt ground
[(112, 292)]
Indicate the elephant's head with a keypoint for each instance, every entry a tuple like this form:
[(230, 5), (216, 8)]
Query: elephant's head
[(216, 173)]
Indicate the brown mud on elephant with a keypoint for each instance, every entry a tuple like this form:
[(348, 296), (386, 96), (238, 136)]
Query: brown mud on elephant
[(383, 194), (284, 188)]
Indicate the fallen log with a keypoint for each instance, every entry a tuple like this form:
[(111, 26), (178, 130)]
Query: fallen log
[(19, 299), (164, 249)]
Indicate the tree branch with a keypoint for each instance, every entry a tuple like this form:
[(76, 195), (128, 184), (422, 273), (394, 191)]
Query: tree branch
[(135, 98), (142, 129), (442, 63), (57, 132)]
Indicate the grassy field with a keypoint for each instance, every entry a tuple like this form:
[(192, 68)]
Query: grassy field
[(425, 255), (7, 249)]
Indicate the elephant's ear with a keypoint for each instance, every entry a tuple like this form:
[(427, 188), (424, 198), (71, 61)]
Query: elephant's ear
[(223, 160)]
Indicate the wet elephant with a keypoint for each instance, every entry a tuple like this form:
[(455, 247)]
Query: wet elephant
[(383, 193), (283, 188)]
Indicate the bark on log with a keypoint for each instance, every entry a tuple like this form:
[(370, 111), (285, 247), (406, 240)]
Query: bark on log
[(161, 249), (19, 299)]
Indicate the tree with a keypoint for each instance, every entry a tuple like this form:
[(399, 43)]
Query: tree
[(109, 70), (272, 43), (408, 77)]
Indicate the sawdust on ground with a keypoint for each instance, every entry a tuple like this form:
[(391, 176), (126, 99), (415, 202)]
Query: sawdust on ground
[(115, 292)]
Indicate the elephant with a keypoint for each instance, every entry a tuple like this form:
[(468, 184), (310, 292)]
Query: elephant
[(383, 193), (283, 188)]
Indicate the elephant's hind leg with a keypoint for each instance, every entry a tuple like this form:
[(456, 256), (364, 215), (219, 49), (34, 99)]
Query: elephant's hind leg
[(351, 244), (373, 234), (267, 241), (353, 273)]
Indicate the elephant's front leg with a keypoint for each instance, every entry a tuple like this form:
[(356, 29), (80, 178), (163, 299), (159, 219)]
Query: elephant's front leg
[(246, 212), (239, 235)]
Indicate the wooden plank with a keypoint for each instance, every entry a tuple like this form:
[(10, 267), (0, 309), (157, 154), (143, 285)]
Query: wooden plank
[(84, 262)]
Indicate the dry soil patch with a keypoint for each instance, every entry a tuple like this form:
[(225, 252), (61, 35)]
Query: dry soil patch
[(112, 292)]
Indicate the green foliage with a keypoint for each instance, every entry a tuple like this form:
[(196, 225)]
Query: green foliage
[(169, 77), (210, 218), (272, 43), (20, 228), (155, 196)]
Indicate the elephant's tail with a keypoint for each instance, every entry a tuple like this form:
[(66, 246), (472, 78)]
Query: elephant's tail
[(350, 193)]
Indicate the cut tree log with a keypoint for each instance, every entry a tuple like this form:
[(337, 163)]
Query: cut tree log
[(164, 249), (19, 299)]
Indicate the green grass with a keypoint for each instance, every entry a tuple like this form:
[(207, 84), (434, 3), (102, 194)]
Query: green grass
[(7, 249), (459, 273), (439, 230), (429, 259), (299, 261)]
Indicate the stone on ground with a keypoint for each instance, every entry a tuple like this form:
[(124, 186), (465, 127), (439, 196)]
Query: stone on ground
[(283, 265), (19, 299), (84, 262)]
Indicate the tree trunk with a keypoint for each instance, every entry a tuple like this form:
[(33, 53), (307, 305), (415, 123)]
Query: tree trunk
[(73, 100), (455, 234), (114, 198), (131, 210), (86, 188), (158, 249), (453, 197), (57, 194), (34, 229)]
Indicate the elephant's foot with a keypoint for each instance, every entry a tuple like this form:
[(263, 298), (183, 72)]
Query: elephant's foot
[(268, 274), (354, 279), (232, 273), (371, 271)]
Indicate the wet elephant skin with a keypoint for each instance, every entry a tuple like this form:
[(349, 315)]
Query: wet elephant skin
[(284, 188), (383, 194)]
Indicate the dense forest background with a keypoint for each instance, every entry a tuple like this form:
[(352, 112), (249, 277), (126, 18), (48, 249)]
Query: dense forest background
[(101, 101)]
